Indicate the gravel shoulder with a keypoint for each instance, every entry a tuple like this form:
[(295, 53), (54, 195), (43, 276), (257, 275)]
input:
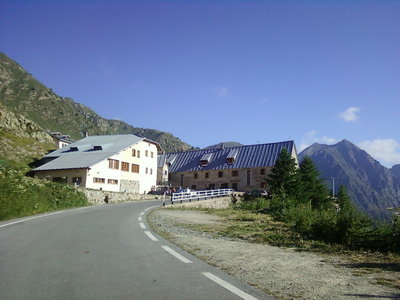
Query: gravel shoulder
[(282, 272)]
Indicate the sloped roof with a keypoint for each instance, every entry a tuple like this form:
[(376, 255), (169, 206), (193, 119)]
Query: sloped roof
[(88, 151), (251, 156)]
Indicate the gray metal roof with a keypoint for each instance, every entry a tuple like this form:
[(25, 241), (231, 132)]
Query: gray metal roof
[(252, 156), (88, 151)]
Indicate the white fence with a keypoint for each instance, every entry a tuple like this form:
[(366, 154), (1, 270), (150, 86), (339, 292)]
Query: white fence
[(200, 195)]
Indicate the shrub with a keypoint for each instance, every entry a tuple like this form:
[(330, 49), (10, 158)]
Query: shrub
[(22, 196)]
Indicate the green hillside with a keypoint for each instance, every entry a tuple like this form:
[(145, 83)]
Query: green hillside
[(21, 93)]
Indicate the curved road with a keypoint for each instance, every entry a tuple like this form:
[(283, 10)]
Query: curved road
[(104, 252)]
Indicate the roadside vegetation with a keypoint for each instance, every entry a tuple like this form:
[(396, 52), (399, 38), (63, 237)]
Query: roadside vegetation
[(23, 196), (301, 200), (300, 213)]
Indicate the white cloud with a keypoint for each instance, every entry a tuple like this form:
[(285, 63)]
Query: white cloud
[(350, 114), (386, 151), (221, 91), (311, 138)]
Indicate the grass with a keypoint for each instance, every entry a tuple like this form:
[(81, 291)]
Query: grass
[(261, 228)]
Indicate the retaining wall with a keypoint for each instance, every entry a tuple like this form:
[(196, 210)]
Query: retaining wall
[(218, 203), (97, 197)]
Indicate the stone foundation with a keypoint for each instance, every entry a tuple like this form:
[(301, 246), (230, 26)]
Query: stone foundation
[(218, 203), (97, 197)]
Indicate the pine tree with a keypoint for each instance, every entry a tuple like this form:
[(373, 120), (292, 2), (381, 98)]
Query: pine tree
[(283, 178), (312, 190)]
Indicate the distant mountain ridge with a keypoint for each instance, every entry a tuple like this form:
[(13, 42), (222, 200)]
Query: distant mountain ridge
[(372, 186), (21, 93), (224, 145)]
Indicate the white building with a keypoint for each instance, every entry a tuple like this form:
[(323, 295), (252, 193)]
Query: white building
[(119, 163), (60, 140)]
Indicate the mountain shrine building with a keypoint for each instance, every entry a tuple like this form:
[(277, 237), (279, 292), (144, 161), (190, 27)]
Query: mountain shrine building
[(118, 163), (242, 168)]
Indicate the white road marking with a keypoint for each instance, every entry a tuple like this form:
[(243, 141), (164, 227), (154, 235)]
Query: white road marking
[(151, 236), (229, 286), (142, 225), (151, 207), (140, 219), (32, 218), (176, 254)]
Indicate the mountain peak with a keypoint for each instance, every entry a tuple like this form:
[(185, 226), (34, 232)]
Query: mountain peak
[(371, 186)]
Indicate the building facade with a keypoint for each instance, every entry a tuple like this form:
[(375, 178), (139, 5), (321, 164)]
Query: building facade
[(118, 163), (243, 168)]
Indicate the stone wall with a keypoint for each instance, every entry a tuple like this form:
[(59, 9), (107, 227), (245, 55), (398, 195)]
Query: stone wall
[(217, 203), (244, 180), (129, 186), (97, 197)]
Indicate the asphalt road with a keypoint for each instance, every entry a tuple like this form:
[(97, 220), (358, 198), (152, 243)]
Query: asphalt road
[(104, 252)]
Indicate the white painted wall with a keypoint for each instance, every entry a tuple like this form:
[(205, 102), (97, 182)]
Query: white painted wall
[(147, 180)]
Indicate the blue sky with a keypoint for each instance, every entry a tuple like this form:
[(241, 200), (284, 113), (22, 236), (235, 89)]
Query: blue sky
[(212, 71)]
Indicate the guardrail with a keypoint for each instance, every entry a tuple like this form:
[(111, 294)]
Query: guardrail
[(200, 195)]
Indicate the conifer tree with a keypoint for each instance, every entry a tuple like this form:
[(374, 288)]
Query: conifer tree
[(283, 178), (312, 190)]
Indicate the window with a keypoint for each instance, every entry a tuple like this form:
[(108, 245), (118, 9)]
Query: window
[(220, 174), (262, 185), (76, 180), (134, 152), (235, 173), (262, 171), (125, 166), (152, 154), (181, 179), (248, 177), (193, 187), (151, 171), (206, 175), (112, 181), (235, 186), (147, 170), (60, 179), (99, 180), (204, 163), (113, 164), (135, 168), (146, 153), (165, 172), (138, 153), (224, 185), (230, 160), (195, 175), (211, 186)]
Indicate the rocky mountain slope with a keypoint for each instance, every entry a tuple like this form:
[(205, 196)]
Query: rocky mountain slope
[(372, 187), (395, 170), (21, 140), (21, 93)]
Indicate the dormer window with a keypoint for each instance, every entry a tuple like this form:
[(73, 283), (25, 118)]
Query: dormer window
[(230, 159), (204, 163), (205, 159), (73, 149), (96, 148)]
